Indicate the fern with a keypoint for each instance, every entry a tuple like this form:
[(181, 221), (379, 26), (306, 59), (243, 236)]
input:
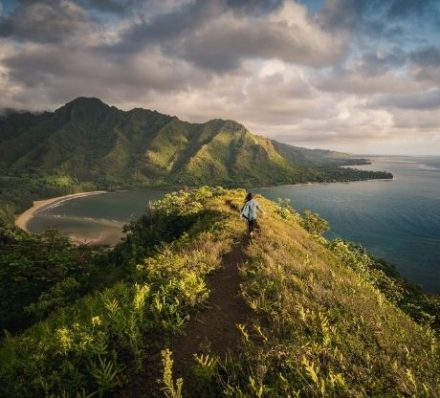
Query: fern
[(105, 374)]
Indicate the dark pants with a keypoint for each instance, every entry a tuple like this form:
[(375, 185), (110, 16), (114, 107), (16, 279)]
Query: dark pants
[(252, 225)]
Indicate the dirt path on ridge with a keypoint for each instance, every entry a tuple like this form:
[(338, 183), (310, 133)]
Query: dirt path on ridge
[(213, 329)]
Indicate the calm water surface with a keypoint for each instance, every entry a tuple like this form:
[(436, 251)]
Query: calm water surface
[(398, 220), (97, 218)]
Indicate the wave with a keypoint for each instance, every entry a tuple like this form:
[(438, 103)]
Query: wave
[(429, 167)]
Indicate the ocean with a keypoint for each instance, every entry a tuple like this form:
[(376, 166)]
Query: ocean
[(396, 220)]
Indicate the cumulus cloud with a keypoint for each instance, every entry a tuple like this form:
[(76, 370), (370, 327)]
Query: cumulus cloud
[(212, 35), (349, 75), (45, 21), (286, 34)]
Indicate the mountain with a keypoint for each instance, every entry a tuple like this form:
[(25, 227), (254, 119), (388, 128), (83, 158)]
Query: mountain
[(88, 140), (285, 314)]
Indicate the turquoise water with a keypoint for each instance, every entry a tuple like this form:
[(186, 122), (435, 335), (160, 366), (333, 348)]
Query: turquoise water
[(398, 220)]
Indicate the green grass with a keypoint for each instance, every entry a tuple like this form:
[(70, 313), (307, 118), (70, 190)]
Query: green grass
[(93, 344), (327, 319), (323, 328)]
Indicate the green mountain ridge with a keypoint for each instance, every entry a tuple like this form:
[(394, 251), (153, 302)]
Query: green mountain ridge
[(88, 140), (319, 318)]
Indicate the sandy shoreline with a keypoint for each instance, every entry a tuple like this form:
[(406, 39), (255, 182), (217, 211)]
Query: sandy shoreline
[(22, 220)]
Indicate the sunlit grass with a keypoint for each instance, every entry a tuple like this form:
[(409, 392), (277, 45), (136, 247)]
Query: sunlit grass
[(327, 321)]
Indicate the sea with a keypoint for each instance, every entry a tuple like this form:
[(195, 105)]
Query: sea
[(398, 220)]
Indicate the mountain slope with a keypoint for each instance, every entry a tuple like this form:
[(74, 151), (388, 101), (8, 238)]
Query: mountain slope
[(324, 319), (90, 141)]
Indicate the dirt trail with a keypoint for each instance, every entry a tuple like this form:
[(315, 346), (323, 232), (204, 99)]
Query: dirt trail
[(213, 329)]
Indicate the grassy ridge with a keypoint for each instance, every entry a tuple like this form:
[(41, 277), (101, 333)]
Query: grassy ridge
[(327, 321), (93, 344), (323, 328)]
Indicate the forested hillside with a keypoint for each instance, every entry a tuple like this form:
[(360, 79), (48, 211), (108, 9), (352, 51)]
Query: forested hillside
[(86, 145), (305, 317), (90, 141)]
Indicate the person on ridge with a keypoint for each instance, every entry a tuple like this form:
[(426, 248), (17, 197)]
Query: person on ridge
[(249, 212)]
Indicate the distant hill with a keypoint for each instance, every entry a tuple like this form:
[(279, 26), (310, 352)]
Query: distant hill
[(87, 140)]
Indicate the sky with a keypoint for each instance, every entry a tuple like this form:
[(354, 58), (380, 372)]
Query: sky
[(361, 76)]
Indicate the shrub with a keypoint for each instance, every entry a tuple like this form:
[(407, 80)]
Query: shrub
[(313, 223)]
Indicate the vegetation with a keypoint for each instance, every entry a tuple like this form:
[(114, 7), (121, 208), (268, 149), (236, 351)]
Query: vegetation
[(314, 224), (423, 308), (40, 273), (19, 190), (326, 320), (92, 343), (325, 325), (87, 144)]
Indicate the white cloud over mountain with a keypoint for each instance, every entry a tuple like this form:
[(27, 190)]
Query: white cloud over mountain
[(362, 76)]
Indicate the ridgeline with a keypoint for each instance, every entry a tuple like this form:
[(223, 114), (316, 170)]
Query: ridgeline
[(186, 305), (88, 145)]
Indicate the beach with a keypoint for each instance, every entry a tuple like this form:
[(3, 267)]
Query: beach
[(38, 205)]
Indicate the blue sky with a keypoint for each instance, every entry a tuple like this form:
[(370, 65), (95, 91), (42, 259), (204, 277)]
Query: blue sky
[(7, 6), (355, 75)]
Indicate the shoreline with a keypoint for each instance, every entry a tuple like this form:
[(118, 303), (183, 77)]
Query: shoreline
[(305, 184), (23, 219)]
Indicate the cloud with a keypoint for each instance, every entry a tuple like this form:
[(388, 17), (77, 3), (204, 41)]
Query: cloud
[(428, 56), (351, 73), (426, 100), (197, 33), (341, 80), (425, 65), (113, 6), (61, 73), (46, 21), (358, 14), (381, 61), (166, 26), (369, 24), (345, 14), (256, 7), (418, 121), (286, 34), (121, 8), (413, 9)]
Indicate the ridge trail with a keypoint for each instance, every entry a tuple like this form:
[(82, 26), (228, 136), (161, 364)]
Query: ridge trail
[(211, 330)]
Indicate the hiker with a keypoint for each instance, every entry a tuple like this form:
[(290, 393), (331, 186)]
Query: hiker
[(249, 212)]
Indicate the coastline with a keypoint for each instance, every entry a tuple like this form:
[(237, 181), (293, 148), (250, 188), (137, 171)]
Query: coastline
[(23, 219)]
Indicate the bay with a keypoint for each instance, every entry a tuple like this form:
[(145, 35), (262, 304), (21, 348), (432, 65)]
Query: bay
[(397, 220), (94, 220)]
